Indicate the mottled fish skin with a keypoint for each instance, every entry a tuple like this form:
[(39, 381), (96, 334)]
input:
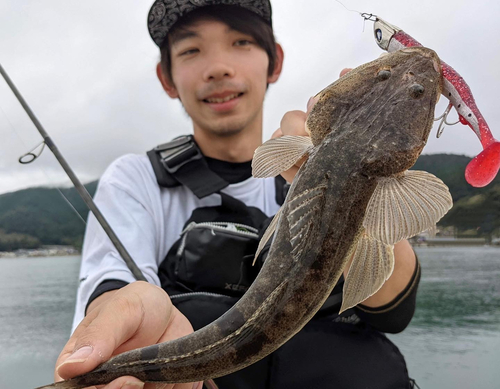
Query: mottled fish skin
[(363, 127)]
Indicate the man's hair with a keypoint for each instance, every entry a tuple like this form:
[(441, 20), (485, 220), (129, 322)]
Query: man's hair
[(237, 18)]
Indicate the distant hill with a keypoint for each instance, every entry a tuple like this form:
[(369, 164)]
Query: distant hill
[(451, 169), (40, 216), (474, 209)]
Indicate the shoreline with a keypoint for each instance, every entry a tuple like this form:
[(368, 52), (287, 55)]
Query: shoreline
[(49, 251)]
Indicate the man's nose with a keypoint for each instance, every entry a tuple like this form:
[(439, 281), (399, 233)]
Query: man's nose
[(218, 70)]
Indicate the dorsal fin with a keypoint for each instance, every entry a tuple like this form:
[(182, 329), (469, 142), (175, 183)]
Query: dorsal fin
[(303, 213), (267, 235)]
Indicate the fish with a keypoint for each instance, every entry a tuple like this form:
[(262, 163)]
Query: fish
[(366, 130), (484, 167)]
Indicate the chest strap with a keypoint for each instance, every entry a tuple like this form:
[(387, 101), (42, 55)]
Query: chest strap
[(180, 162)]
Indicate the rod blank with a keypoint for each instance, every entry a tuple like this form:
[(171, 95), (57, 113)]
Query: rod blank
[(82, 191)]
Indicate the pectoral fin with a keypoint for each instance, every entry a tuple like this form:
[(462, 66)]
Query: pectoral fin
[(279, 154), (402, 207), (372, 265), (267, 235)]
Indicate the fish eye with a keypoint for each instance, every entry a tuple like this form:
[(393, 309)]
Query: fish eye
[(416, 91), (378, 34), (383, 75)]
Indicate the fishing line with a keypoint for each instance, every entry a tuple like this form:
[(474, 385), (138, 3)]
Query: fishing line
[(35, 156), (350, 10), (364, 15)]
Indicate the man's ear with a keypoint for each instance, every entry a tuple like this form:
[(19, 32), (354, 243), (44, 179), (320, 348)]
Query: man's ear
[(166, 83), (278, 65)]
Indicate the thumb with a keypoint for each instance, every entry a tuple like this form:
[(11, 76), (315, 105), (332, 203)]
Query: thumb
[(98, 336), (311, 103)]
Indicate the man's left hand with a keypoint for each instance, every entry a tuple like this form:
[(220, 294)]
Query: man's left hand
[(294, 123)]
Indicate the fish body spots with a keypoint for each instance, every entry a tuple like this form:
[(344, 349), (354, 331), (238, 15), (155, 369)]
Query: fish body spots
[(253, 347), (150, 353), (154, 373)]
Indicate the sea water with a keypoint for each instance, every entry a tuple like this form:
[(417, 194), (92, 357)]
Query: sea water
[(452, 342)]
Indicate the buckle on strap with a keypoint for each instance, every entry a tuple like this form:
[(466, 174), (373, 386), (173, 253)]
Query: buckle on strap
[(177, 153)]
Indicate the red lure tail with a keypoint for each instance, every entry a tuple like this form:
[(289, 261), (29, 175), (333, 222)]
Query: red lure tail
[(484, 167)]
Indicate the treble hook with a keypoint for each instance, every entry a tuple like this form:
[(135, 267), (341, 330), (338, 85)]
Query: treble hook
[(30, 156), (444, 122)]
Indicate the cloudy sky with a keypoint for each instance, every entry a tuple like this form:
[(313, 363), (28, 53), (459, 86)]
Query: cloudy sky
[(87, 70)]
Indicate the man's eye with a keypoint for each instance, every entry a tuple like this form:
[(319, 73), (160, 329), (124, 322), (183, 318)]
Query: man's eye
[(243, 42), (188, 52)]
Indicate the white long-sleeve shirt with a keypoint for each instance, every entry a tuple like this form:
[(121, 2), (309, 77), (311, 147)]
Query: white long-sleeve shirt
[(148, 220)]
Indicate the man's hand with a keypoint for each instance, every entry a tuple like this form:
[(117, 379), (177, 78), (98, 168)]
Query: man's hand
[(294, 123), (137, 315)]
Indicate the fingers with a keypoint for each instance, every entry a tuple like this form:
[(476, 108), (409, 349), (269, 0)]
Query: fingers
[(178, 327), (345, 71), (98, 336), (136, 316), (311, 103), (134, 383), (290, 174), (277, 134), (293, 123)]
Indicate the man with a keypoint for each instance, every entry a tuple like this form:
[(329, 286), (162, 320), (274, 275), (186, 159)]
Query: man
[(218, 58)]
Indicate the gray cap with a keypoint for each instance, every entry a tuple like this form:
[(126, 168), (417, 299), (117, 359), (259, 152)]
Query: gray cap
[(165, 13)]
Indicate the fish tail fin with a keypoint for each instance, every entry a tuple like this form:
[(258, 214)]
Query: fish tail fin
[(484, 167)]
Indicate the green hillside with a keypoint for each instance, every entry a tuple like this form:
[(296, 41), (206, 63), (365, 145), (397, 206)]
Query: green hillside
[(451, 169), (475, 209), (40, 216)]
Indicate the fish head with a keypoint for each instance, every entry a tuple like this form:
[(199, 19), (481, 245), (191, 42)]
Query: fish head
[(385, 107), (384, 32)]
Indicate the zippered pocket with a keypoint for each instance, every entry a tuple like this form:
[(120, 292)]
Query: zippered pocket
[(202, 308), (217, 257)]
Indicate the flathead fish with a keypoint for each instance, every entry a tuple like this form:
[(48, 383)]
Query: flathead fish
[(352, 198)]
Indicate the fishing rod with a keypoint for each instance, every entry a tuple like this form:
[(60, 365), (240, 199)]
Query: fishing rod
[(74, 179)]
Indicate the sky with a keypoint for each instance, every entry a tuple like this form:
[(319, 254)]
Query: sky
[(87, 69)]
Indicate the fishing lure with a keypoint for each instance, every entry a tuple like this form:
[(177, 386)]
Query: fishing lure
[(484, 167)]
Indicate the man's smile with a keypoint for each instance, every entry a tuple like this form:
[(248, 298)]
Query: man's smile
[(223, 102), (222, 98)]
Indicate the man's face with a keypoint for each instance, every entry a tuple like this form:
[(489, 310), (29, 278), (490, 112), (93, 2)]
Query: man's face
[(220, 75)]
